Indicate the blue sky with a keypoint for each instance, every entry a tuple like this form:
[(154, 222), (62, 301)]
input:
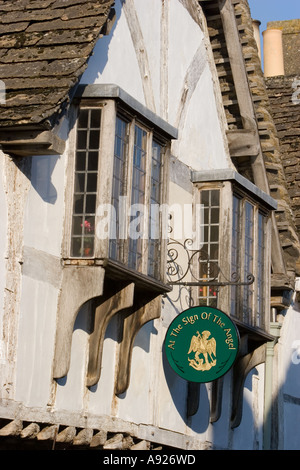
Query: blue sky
[(274, 10)]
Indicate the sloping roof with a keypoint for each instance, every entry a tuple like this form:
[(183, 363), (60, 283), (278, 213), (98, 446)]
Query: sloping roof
[(44, 49)]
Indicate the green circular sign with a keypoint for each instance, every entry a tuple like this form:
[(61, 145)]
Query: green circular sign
[(201, 344)]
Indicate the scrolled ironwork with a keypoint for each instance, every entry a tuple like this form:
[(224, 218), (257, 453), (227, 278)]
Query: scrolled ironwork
[(181, 262)]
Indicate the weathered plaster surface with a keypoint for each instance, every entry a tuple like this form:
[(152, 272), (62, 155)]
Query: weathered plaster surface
[(16, 183)]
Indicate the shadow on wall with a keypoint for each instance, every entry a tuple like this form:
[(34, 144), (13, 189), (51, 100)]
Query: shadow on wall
[(279, 431), (41, 173), (248, 436), (100, 52)]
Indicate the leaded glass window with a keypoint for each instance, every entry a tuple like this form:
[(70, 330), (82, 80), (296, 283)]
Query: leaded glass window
[(118, 192), (155, 201), (85, 184), (248, 257), (209, 256), (118, 187), (137, 198)]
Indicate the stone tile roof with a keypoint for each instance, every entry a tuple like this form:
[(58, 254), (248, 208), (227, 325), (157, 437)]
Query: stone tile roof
[(44, 49)]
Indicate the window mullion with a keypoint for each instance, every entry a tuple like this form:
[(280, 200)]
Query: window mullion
[(147, 201), (128, 186)]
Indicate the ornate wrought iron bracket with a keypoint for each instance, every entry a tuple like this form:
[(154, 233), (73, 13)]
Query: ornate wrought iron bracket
[(183, 262)]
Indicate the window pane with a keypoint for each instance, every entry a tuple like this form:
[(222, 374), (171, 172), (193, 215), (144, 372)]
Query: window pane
[(92, 161), (214, 233), (206, 215), (215, 216), (80, 161), (205, 198), (214, 251), (94, 139), (76, 249), (79, 182), (90, 204), (215, 198), (78, 203), (83, 119), (81, 140), (95, 118), (91, 185), (77, 225)]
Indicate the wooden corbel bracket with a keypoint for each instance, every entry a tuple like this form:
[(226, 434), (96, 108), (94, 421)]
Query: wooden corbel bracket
[(241, 368), (112, 302), (79, 284), (216, 400), (193, 399), (143, 311)]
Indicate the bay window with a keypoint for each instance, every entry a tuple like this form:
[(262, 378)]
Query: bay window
[(236, 247), (118, 174)]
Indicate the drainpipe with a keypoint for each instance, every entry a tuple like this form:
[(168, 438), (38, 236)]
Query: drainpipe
[(273, 53), (268, 397)]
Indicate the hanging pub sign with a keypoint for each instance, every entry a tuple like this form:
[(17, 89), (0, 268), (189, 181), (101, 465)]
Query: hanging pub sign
[(201, 344)]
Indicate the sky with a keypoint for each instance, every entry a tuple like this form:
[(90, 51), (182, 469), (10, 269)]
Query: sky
[(274, 10)]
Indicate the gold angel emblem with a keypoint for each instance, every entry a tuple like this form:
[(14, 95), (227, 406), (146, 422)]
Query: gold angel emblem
[(205, 351)]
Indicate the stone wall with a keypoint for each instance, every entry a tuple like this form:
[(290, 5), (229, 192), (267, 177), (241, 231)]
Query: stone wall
[(285, 107)]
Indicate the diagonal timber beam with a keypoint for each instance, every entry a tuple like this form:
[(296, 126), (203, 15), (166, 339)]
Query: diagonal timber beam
[(241, 369)]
